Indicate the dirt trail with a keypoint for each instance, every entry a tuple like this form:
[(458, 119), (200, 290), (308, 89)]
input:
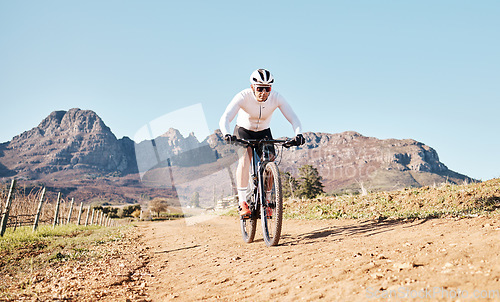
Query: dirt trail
[(329, 260), (334, 260)]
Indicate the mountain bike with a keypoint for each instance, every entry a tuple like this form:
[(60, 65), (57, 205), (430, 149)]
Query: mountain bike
[(264, 197)]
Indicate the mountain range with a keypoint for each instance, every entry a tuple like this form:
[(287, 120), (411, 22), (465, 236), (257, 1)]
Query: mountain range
[(75, 152)]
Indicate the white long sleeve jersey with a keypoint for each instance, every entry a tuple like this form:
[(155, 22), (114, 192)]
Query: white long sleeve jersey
[(254, 115)]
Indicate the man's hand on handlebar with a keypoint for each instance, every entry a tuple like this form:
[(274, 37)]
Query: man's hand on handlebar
[(299, 139), (229, 138), (296, 141)]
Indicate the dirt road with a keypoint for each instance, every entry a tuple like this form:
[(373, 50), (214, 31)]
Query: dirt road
[(333, 260)]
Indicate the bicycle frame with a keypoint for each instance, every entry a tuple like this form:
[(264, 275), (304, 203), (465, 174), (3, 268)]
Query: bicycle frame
[(258, 165), (257, 175)]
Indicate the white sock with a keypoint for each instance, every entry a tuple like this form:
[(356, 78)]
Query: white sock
[(242, 195), (268, 194)]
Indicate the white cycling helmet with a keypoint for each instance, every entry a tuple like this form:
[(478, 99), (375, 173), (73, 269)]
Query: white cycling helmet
[(261, 77)]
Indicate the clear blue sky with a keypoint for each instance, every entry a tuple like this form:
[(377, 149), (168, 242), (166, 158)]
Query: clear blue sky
[(427, 70)]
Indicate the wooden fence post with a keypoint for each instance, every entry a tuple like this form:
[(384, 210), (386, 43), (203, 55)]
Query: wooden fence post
[(15, 224), (70, 210), (39, 211), (80, 213), (87, 219), (100, 218), (92, 219), (5, 216), (56, 216)]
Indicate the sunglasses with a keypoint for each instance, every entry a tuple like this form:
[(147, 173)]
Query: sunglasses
[(263, 88)]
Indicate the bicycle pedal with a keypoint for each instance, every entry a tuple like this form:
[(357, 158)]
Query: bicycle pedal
[(246, 215)]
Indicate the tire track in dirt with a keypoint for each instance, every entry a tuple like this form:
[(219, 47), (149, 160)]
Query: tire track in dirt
[(335, 260)]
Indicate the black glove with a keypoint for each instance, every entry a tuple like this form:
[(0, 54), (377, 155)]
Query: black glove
[(229, 138), (299, 139)]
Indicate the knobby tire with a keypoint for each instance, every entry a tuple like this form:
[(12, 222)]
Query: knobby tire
[(249, 225)]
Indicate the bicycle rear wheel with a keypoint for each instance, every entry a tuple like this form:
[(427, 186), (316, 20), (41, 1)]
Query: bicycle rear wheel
[(272, 212), (249, 225)]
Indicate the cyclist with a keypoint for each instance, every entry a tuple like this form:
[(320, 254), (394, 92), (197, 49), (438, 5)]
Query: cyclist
[(255, 106)]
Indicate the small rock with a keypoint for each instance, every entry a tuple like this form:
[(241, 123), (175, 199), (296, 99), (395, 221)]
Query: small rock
[(377, 276)]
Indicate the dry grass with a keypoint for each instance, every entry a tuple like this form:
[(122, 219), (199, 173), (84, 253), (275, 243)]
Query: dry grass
[(426, 202), (23, 252)]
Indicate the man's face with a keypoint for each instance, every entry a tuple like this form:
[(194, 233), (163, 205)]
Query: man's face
[(261, 92)]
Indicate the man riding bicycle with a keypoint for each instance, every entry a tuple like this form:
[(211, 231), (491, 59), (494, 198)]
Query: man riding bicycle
[(255, 106)]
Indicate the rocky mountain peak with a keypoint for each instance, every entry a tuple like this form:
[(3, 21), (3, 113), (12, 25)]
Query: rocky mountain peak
[(74, 139), (74, 120), (172, 134), (175, 142)]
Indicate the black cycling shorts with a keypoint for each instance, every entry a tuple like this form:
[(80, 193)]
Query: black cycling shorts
[(243, 133)]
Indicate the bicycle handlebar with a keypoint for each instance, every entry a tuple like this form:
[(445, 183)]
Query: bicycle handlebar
[(287, 143)]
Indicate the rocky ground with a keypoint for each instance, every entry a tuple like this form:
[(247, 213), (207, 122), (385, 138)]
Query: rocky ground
[(330, 260), (111, 271)]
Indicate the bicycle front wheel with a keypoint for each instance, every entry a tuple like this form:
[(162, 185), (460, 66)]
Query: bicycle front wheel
[(272, 212)]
